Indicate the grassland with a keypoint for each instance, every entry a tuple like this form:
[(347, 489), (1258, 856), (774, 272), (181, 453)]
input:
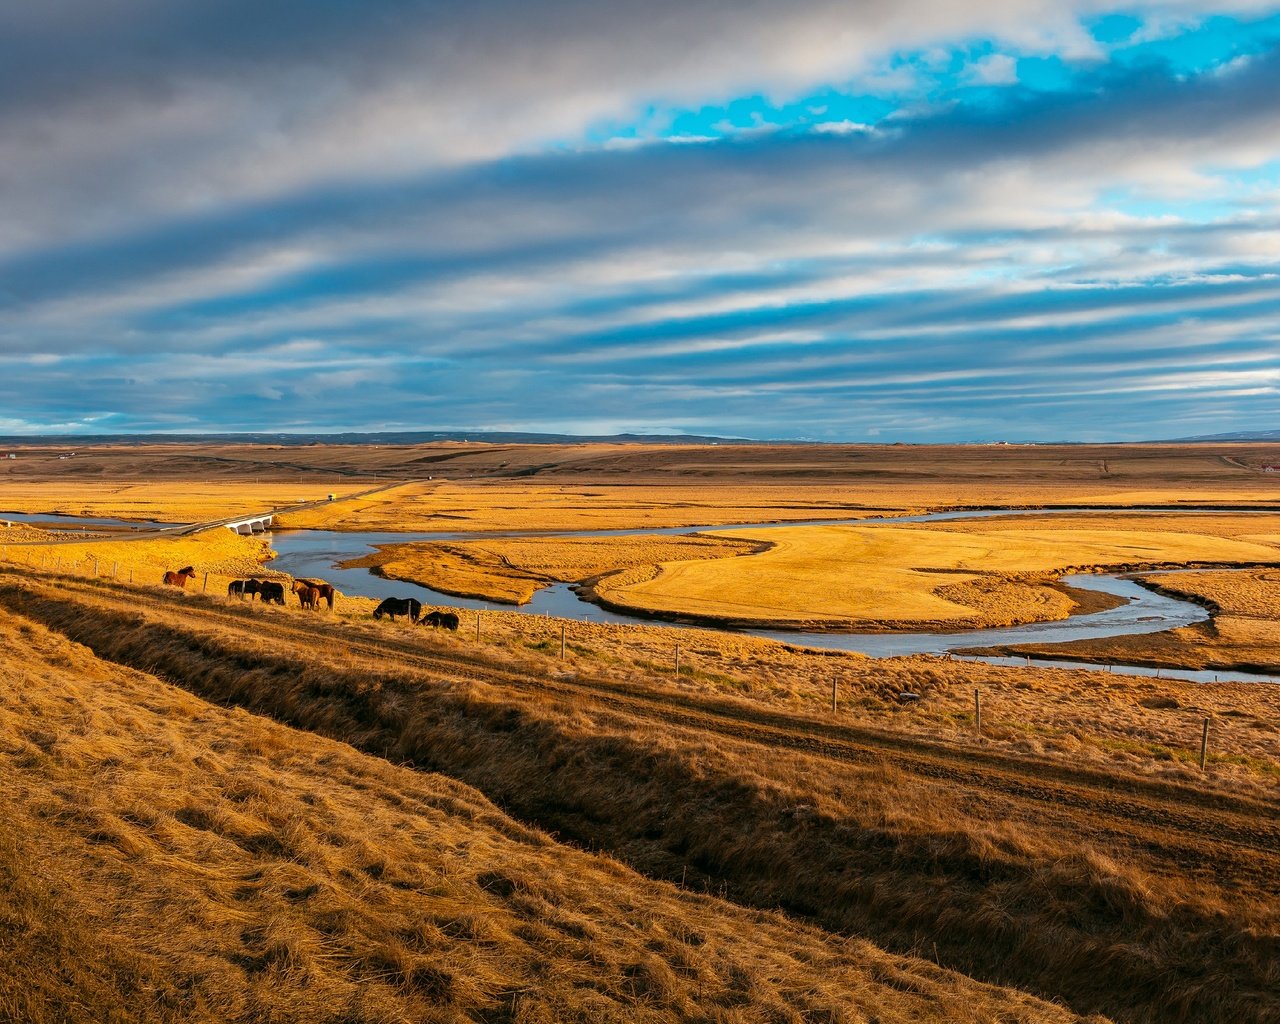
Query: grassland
[(171, 502), (475, 827), (562, 487), (512, 570), (1143, 899), (164, 859), (217, 555), (957, 576)]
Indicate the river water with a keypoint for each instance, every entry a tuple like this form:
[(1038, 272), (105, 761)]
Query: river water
[(315, 553)]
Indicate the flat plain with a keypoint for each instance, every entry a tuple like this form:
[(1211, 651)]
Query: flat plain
[(217, 810)]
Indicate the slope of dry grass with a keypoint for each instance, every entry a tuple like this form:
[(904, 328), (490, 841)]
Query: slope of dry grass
[(513, 569), (219, 553), (910, 576), (162, 859), (1149, 902)]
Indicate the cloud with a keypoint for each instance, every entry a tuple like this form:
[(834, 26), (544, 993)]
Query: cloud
[(993, 69), (394, 220)]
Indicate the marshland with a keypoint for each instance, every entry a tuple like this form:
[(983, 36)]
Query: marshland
[(220, 809)]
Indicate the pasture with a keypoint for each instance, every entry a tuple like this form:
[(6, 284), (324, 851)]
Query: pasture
[(187, 501), (162, 858), (282, 851), (500, 487), (914, 576), (510, 570), (244, 811)]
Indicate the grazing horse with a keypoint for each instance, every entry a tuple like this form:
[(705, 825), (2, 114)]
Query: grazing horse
[(308, 595), (436, 620), (179, 578), (327, 591), (240, 588), (394, 606), (272, 591)]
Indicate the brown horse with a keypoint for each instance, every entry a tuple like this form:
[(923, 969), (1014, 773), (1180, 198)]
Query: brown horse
[(179, 578), (327, 591), (308, 596)]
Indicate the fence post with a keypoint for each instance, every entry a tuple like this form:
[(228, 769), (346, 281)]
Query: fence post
[(977, 711), (1204, 743), (205, 585), (563, 628), (477, 623), (130, 575), (115, 567), (834, 684), (677, 661)]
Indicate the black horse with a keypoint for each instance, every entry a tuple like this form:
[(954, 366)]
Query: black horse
[(272, 592), (394, 606), (436, 620), (244, 588)]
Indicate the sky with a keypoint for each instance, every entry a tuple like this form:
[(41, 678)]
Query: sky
[(889, 220)]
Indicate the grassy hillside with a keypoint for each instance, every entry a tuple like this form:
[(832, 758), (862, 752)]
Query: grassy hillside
[(163, 859), (1142, 899)]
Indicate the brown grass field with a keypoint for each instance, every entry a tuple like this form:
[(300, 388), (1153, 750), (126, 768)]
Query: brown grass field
[(163, 501), (165, 859), (980, 573), (512, 570), (1054, 868), (562, 487), (212, 810)]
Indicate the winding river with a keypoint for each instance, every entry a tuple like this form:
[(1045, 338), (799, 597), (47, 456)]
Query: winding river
[(315, 553)]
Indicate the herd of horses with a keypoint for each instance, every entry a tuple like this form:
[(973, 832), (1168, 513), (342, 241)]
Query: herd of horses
[(412, 607), (312, 592)]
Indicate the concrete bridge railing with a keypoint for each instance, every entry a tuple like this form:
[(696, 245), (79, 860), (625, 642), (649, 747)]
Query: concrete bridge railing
[(254, 524)]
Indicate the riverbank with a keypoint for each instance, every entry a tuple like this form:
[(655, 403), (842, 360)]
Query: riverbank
[(1243, 633)]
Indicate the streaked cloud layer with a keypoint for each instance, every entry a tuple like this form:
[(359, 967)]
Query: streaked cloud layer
[(913, 220)]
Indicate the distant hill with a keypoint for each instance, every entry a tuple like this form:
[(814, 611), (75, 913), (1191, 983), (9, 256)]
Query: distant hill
[(386, 437), (1236, 435)]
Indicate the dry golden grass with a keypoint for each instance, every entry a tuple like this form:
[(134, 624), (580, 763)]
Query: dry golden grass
[(912, 576), (1149, 901), (163, 859), (506, 506), (181, 501), (513, 569), (218, 554)]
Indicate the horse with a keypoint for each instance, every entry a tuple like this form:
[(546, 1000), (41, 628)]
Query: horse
[(308, 596), (239, 588), (272, 590), (179, 578), (327, 591), (438, 619), (394, 606)]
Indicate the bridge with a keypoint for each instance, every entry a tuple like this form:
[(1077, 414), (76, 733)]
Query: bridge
[(254, 524)]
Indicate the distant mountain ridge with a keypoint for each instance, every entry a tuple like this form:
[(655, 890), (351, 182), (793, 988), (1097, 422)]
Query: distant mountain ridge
[(1235, 435), (406, 437)]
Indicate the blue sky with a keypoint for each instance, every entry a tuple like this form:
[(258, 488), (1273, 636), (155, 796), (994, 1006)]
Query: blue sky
[(918, 221)]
